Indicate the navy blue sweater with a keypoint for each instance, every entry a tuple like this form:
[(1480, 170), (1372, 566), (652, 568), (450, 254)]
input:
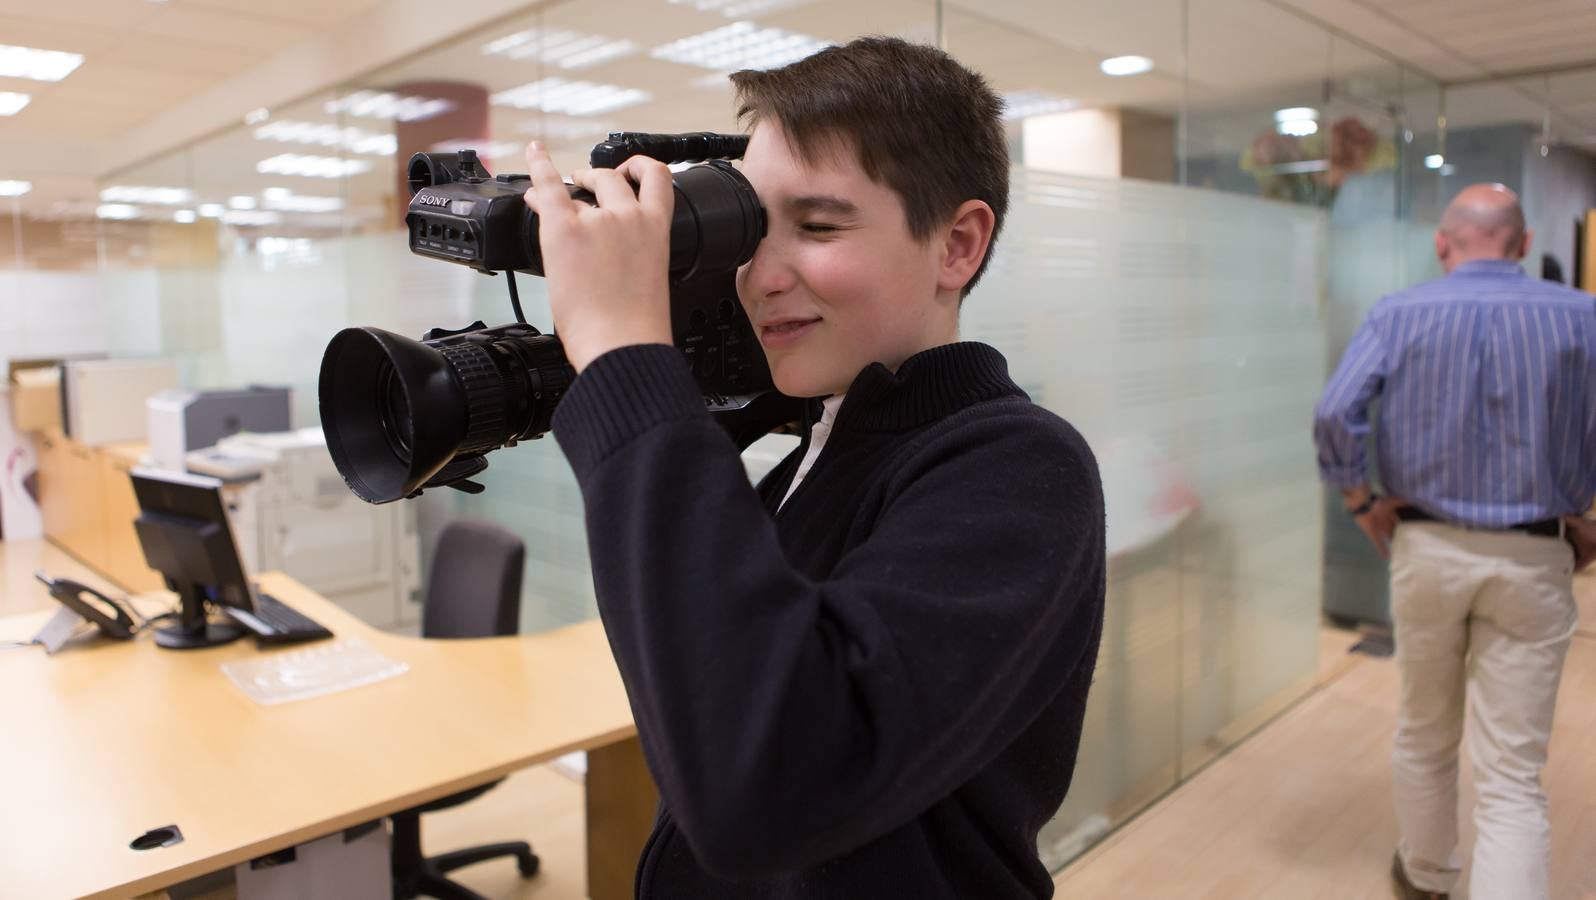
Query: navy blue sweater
[(877, 692)]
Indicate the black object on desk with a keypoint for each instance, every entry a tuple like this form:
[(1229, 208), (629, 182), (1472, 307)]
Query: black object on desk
[(183, 528)]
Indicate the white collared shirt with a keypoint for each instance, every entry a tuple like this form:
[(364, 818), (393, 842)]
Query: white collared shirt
[(817, 440)]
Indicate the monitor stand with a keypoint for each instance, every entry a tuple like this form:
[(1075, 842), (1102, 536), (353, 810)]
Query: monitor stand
[(195, 630)]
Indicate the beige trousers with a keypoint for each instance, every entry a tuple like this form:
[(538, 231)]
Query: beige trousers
[(1492, 611)]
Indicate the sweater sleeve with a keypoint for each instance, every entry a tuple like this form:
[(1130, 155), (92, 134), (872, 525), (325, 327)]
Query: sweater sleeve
[(787, 720)]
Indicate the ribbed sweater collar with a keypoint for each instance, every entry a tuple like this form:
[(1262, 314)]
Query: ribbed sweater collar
[(930, 385)]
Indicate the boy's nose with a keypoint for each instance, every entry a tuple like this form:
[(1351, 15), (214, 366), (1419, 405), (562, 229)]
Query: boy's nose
[(766, 275)]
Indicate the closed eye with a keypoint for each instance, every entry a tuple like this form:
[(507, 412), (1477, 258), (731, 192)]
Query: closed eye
[(819, 228)]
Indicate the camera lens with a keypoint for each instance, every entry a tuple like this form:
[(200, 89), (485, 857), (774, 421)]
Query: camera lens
[(401, 415), (397, 423)]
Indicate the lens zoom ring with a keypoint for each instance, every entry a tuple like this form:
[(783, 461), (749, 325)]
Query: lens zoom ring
[(487, 420)]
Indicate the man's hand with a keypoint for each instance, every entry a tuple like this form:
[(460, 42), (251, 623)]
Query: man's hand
[(1582, 534), (606, 265), (1380, 521)]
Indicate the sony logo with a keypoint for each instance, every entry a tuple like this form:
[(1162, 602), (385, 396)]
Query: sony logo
[(431, 200)]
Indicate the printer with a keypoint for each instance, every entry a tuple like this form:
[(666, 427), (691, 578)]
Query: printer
[(291, 511), (182, 420), (102, 400)]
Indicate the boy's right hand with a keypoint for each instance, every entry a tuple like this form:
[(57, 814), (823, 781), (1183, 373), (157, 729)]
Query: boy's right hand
[(1582, 535)]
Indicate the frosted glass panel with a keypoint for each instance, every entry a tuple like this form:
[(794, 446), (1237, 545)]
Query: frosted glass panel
[(1179, 330)]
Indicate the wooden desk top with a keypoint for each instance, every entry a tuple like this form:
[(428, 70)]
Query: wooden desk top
[(107, 740)]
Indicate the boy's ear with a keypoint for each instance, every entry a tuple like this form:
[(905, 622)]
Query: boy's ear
[(964, 244)]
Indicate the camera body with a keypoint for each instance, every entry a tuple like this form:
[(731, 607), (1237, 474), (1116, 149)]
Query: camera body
[(402, 415)]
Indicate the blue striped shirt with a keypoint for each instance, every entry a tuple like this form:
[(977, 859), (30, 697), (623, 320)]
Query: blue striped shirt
[(1487, 387)]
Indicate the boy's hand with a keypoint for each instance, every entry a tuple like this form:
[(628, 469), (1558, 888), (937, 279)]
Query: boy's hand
[(606, 265)]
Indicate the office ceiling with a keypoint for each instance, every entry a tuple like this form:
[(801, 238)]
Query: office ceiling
[(1243, 59), (142, 57)]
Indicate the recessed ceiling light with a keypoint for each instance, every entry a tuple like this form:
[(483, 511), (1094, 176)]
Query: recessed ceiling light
[(1024, 104), (485, 149), (577, 98), (116, 211), (12, 102), (165, 196), (1125, 65), (1434, 161), (355, 140), (556, 46), (288, 201), (740, 45), (15, 188), (388, 105), (211, 210), (39, 65), (250, 217), (738, 9), (183, 216), (1297, 121), (312, 166)]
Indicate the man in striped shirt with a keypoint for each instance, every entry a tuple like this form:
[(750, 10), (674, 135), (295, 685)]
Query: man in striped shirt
[(1487, 444)]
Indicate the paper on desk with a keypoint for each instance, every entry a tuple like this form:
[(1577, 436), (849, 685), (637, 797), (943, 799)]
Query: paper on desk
[(312, 671)]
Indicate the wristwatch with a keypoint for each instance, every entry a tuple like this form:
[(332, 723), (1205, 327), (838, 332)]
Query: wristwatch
[(1365, 507)]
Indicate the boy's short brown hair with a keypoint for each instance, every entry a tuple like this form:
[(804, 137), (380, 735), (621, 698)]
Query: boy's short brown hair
[(918, 122)]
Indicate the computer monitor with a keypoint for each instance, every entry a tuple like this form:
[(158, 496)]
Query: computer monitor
[(183, 528)]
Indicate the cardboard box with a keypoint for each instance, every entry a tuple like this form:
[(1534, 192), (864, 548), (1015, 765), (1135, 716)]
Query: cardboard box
[(36, 398)]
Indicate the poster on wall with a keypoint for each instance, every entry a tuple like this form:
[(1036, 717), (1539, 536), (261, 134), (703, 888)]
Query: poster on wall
[(19, 479)]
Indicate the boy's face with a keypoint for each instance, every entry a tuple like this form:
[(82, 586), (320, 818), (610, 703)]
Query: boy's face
[(838, 282)]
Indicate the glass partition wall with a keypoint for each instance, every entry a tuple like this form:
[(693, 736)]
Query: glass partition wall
[(1190, 244)]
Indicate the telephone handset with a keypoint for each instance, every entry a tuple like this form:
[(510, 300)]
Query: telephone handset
[(103, 612)]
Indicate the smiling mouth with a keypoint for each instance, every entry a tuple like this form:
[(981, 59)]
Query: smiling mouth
[(788, 327)]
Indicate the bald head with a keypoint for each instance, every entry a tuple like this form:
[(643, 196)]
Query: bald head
[(1484, 221)]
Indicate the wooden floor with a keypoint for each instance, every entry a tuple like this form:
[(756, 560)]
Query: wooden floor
[(1303, 808)]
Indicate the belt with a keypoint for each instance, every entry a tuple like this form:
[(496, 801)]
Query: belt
[(1552, 528)]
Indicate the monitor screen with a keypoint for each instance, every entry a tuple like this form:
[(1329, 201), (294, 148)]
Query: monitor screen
[(183, 528)]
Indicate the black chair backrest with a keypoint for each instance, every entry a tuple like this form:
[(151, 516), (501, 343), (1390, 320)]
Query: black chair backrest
[(475, 586)]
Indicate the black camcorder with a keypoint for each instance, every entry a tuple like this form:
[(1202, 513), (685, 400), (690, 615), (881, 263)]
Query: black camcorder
[(402, 415)]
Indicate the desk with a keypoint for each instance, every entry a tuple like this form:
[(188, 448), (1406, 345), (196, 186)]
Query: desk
[(104, 741)]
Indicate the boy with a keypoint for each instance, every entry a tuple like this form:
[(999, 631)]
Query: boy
[(866, 677)]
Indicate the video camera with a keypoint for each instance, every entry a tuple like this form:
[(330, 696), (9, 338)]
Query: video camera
[(402, 415)]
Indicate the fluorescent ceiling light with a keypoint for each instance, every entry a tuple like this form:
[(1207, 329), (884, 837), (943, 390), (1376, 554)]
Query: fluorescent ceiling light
[(312, 166), (15, 188), (388, 105), (485, 149), (257, 115), (354, 140), (556, 46), (738, 9), (183, 216), (211, 210), (12, 102), (288, 201), (1297, 121), (164, 196), (1434, 161), (577, 98), (1125, 65), (38, 65), (740, 45), (1024, 104), (250, 217), (242, 201), (116, 211)]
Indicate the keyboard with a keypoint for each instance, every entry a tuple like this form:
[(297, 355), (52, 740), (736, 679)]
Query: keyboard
[(275, 622)]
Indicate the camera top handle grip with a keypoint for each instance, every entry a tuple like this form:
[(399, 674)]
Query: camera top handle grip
[(667, 148)]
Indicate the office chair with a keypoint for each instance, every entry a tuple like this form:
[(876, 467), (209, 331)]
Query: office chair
[(474, 591)]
